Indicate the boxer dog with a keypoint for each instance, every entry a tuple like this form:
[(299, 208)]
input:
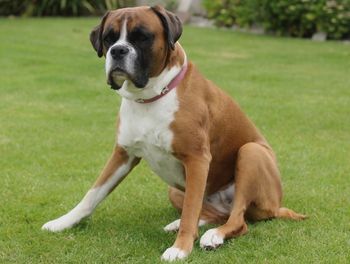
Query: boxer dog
[(219, 167)]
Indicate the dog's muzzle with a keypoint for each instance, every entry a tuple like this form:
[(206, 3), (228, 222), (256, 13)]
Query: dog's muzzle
[(118, 73)]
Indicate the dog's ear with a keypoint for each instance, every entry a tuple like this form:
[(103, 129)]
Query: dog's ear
[(171, 24), (96, 36)]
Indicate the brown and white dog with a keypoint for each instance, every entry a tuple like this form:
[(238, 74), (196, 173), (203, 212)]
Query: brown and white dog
[(219, 167)]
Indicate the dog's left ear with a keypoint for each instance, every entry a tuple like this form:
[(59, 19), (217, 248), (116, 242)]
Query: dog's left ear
[(96, 36), (171, 24)]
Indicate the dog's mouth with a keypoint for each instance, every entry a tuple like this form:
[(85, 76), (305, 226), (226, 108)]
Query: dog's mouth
[(116, 78)]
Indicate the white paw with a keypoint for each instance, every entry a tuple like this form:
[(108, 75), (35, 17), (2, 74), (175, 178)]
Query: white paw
[(173, 253), (173, 226), (59, 224), (54, 226), (211, 239)]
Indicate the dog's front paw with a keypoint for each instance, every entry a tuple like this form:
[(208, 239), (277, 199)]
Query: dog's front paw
[(211, 239), (55, 225), (59, 224), (174, 253)]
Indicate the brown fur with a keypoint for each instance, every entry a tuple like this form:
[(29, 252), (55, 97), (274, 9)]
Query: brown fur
[(117, 159), (208, 212), (213, 134)]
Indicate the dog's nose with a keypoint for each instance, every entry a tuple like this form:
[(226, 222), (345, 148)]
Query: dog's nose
[(118, 52)]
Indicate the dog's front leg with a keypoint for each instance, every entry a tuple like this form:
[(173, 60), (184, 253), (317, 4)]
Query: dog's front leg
[(196, 169), (116, 169)]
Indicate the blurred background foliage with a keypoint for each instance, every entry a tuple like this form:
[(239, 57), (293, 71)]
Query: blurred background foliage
[(60, 7), (297, 18), (301, 18)]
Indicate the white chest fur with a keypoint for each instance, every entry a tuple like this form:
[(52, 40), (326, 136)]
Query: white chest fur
[(144, 131)]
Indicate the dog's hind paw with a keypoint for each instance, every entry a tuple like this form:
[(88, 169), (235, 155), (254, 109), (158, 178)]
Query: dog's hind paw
[(175, 225)]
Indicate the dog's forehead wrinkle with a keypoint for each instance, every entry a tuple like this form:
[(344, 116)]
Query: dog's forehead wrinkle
[(140, 16)]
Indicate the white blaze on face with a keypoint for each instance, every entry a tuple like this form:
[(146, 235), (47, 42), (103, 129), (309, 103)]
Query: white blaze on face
[(127, 63)]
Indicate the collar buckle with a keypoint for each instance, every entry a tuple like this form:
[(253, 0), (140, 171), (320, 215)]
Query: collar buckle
[(165, 90)]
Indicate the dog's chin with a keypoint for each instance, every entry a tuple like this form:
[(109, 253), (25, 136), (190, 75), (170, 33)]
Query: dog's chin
[(117, 78)]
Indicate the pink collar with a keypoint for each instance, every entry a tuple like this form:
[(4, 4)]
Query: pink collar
[(174, 82)]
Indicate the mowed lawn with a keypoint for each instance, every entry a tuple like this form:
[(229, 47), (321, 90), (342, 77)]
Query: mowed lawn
[(57, 129)]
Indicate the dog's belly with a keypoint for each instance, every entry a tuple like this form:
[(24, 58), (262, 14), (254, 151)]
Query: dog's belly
[(163, 163), (222, 200)]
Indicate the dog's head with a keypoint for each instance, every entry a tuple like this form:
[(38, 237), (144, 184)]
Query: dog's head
[(136, 43)]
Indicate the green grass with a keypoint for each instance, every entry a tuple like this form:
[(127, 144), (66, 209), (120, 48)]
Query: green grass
[(57, 127)]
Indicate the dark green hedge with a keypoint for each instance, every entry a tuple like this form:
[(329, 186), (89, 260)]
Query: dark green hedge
[(59, 7), (300, 18)]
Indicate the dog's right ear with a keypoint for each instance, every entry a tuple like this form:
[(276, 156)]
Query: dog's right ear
[(96, 36)]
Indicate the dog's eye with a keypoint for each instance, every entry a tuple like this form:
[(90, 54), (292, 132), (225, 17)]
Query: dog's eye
[(110, 39), (140, 36), (137, 36)]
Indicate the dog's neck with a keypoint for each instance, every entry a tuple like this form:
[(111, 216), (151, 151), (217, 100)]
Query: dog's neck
[(156, 84)]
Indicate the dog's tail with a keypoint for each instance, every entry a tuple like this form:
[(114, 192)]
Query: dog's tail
[(290, 214)]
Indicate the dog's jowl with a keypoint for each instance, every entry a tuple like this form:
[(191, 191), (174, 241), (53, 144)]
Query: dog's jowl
[(218, 166)]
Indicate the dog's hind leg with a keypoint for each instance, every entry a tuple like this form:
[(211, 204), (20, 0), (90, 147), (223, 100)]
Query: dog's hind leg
[(116, 169), (208, 215), (258, 194), (175, 225)]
